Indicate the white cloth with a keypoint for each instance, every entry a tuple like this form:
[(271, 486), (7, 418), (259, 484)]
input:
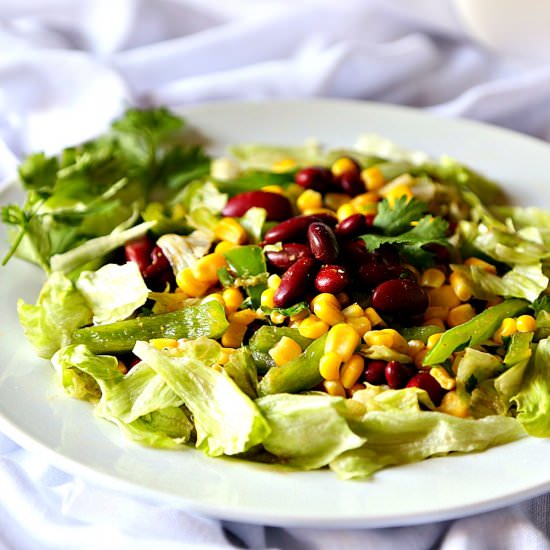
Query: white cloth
[(67, 67)]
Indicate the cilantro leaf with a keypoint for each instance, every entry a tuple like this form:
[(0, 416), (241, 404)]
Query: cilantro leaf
[(181, 165), (542, 303), (395, 219), (38, 172)]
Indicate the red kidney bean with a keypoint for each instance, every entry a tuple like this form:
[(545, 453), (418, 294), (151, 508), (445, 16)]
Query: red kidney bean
[(295, 282), (442, 253), (322, 242), (139, 251), (277, 206), (397, 374), (375, 372), (388, 254), (375, 273), (295, 229), (159, 272), (400, 296), (283, 259), (425, 381), (352, 226), (331, 278), (350, 183), (314, 177)]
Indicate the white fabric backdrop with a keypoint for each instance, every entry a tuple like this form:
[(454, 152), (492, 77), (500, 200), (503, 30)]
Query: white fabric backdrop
[(67, 67)]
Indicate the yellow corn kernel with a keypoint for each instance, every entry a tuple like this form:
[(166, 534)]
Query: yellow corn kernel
[(526, 323), (387, 337), (225, 355), (342, 339), (351, 370), (214, 297), (300, 316), (361, 325), (329, 365), (354, 310), (432, 277), (328, 312), (224, 246), (260, 314), (436, 312), (309, 199), (335, 200), (283, 165), (233, 336), (285, 350), (267, 298), (454, 405), (434, 322), (460, 314), (446, 381), (232, 298), (161, 343), (244, 316), (313, 211), (313, 327), (364, 201), (190, 285), (443, 296), (273, 281), (490, 268), (334, 388), (460, 285), (415, 346), (507, 328), (325, 298), (345, 211), (373, 317), (229, 229), (433, 339), (343, 165), (206, 268), (277, 318), (373, 178), (274, 189), (398, 191), (418, 359)]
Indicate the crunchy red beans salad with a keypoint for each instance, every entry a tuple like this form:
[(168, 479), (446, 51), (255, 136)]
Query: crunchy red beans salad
[(293, 305)]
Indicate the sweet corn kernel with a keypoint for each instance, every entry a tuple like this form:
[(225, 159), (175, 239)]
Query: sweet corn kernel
[(313, 211), (309, 199), (460, 314), (274, 189), (345, 211), (225, 355), (387, 337), (277, 318), (283, 165), (436, 312), (329, 365), (373, 317), (415, 346), (526, 323), (206, 268), (161, 343), (460, 285), (190, 285), (433, 339), (313, 327), (334, 388), (273, 281), (454, 405), (354, 310), (244, 316), (285, 350), (443, 296), (434, 322), (397, 191), (214, 297), (432, 277), (229, 229), (224, 246), (351, 370), (446, 381), (328, 313), (373, 178), (343, 165), (232, 298), (233, 336), (267, 298), (335, 200), (507, 328), (260, 314), (490, 268), (343, 340), (363, 203), (300, 316), (361, 325), (327, 298)]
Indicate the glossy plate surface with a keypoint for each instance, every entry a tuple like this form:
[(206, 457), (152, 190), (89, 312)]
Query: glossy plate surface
[(38, 416)]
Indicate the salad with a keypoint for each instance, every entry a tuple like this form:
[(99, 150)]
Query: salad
[(351, 309)]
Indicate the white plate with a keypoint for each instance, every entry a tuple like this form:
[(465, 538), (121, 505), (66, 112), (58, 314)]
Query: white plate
[(36, 414)]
